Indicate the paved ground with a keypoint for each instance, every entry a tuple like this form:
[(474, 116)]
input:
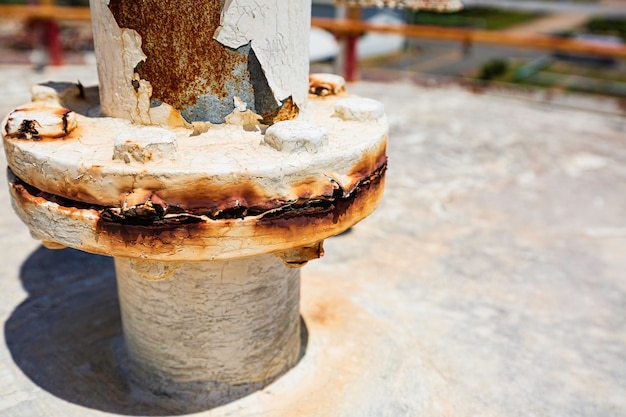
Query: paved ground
[(551, 24), (490, 281), (446, 58), (602, 7)]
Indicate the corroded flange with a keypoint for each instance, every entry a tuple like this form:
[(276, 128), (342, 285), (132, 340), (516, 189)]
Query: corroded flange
[(239, 189)]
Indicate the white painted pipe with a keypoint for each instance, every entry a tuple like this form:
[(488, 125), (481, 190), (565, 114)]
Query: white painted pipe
[(221, 328), (196, 327)]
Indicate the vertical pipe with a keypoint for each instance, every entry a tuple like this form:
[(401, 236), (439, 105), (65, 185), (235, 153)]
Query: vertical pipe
[(220, 329), (196, 58), (351, 61), (340, 59), (55, 51)]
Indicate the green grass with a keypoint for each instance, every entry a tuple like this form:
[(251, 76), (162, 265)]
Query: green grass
[(566, 69), (476, 17), (563, 75), (607, 26)]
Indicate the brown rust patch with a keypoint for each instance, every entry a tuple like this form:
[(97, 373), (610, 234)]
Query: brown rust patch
[(320, 214), (191, 71), (287, 111), (168, 234), (31, 129), (26, 130), (323, 86), (298, 257), (183, 60), (185, 66), (370, 163)]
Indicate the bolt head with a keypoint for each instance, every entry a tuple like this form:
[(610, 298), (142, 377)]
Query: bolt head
[(296, 136), (38, 121), (359, 109), (324, 84), (145, 144)]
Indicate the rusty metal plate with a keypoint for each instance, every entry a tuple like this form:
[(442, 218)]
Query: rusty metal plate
[(188, 238), (226, 168), (238, 189)]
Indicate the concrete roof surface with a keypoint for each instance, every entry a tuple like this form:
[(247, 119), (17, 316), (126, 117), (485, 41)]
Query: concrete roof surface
[(490, 281)]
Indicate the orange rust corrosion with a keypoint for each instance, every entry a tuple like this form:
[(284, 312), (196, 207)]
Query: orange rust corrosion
[(326, 85), (38, 121), (208, 195), (185, 236), (191, 71)]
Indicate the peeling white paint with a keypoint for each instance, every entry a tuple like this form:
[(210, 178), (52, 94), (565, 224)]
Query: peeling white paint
[(280, 44), (145, 144), (118, 51), (296, 136)]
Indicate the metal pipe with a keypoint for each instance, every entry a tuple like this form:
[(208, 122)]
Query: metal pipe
[(194, 58), (214, 176), (224, 327)]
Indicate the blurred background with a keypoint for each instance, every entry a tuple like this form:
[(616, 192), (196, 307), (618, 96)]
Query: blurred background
[(555, 45)]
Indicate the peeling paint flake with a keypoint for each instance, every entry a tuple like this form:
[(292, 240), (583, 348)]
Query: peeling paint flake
[(118, 98), (279, 44)]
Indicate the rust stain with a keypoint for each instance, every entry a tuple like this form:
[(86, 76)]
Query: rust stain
[(298, 257), (148, 229), (183, 60), (151, 235), (290, 224), (321, 87), (288, 111), (319, 214), (215, 199), (29, 128), (369, 163), (28, 194), (322, 313), (314, 187)]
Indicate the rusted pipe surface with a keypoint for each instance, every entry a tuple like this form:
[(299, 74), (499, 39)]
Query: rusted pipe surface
[(118, 189), (209, 173), (185, 62)]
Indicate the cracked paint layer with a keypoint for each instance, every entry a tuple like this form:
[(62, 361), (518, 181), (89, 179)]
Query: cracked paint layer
[(161, 66), (117, 95), (185, 67), (123, 93), (279, 44)]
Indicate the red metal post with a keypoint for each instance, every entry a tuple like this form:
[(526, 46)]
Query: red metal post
[(53, 43)]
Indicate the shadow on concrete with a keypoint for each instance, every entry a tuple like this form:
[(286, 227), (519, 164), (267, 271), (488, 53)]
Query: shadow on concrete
[(67, 336)]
